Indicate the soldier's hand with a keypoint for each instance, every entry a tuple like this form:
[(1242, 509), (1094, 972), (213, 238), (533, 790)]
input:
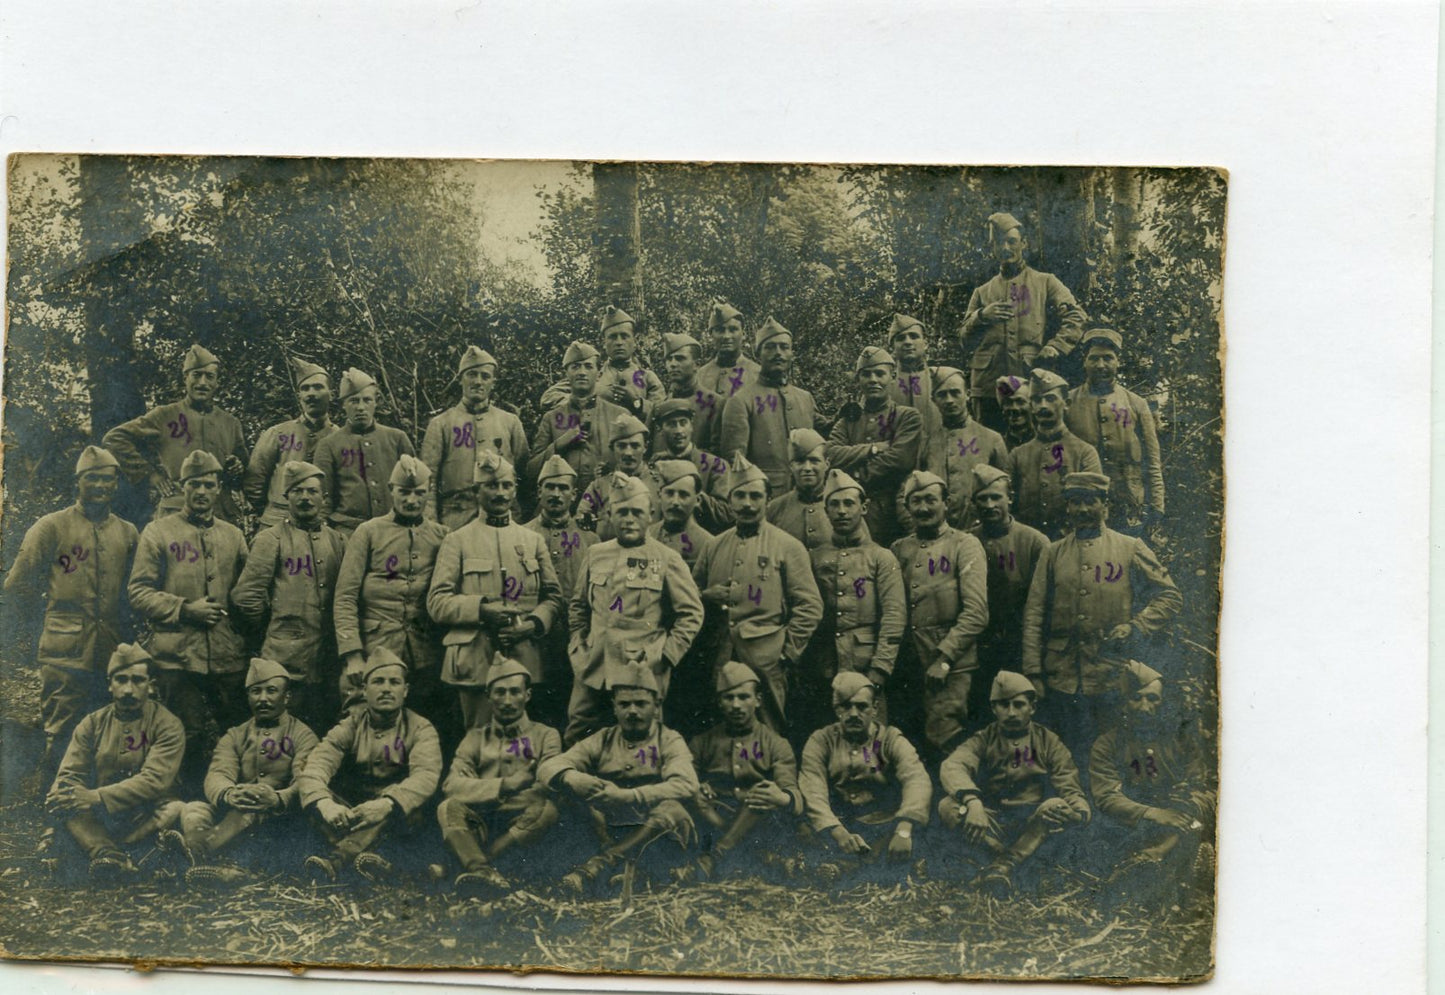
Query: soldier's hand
[(1055, 811), (610, 793), (620, 394), (998, 311), (334, 814), (583, 785), (161, 485), (204, 612), (977, 823), (849, 842), (1047, 354), (264, 798), (877, 677), (706, 793), (520, 781), (1120, 632), (1169, 817), (900, 847), (493, 615), (766, 795), (370, 813), (938, 673), (716, 595), (571, 439), (233, 465)]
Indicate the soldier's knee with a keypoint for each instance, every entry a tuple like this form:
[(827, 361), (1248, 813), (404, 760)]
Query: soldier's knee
[(670, 815), (948, 813), (452, 814)]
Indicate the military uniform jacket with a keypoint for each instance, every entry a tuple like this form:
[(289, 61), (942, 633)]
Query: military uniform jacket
[(1082, 588), (179, 561), (804, 519), (291, 575), (725, 381), (756, 422), (657, 768), (130, 763), (1120, 426), (357, 468), (449, 449), (1040, 300), (1011, 558), (882, 770), (947, 596), (249, 754), (688, 542), (506, 568), (914, 389), (773, 601), (566, 543), (713, 511), (631, 600), (865, 609), (362, 763), (707, 414), (1038, 469), (1005, 773), (1130, 773), (381, 591), (597, 415), (952, 453), (160, 440), (734, 764), (593, 510), (82, 568), (280, 444), (644, 388), (878, 449), (489, 753)]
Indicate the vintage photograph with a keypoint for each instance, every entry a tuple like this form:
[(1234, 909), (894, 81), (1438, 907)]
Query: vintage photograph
[(713, 569)]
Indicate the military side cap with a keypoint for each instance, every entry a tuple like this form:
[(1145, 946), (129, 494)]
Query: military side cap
[(1003, 222), (873, 355), (847, 684), (302, 371), (613, 316), (1081, 480), (556, 466), (1043, 381), (919, 479), (491, 463), (199, 357), (837, 481), (986, 475), (126, 655), (1008, 386), (578, 352), (943, 374), (380, 657), (1008, 685), (802, 441), (672, 407), (474, 356), (733, 674), (627, 491), (902, 323), (1102, 336), (409, 472), (95, 458), (295, 472), (353, 381), (633, 675), (671, 470), (626, 427), (263, 670), (504, 667), (740, 472), (198, 464), (1138, 675), (769, 329), (676, 342), (722, 313)]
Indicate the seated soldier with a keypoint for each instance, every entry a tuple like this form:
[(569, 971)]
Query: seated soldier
[(252, 777), (491, 791), (1011, 784), (634, 776), (384, 758), (116, 782), (747, 772), (1149, 777), (862, 781)]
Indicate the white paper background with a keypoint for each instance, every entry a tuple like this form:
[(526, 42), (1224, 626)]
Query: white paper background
[(1324, 115)]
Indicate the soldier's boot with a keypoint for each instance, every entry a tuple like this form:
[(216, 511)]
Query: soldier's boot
[(215, 875), (322, 870), (481, 880), (701, 869), (110, 867), (577, 881), (996, 878), (375, 868), (174, 846)]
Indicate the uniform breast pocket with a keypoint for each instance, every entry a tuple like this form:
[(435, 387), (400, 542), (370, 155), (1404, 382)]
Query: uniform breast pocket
[(645, 582), (478, 573)]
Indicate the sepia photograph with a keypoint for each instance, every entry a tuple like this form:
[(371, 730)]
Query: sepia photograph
[(662, 568)]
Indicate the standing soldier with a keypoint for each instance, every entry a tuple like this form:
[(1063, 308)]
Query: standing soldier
[(680, 356), (877, 442), (687, 700), (287, 442), (635, 601), (799, 512), (494, 590), (185, 569), (916, 382), (358, 458), (758, 418), (579, 428), (78, 559), (152, 448), (623, 380), (1120, 425), (945, 578), (629, 448), (757, 582), (455, 438), (960, 444), (1018, 319), (381, 591), (729, 369), (1039, 466), (672, 423), (289, 585), (1018, 414)]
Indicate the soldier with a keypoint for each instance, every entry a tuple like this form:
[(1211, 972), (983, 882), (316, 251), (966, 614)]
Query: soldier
[(289, 441), (626, 383), (944, 575), (1094, 594), (491, 792), (629, 447), (1011, 550), (1010, 317), (680, 356), (456, 437), (678, 530), (757, 583), (729, 369), (799, 512), (672, 422), (117, 778), (78, 559), (635, 774), (861, 779), (876, 442), (152, 448), (386, 759), (748, 776), (865, 609), (289, 586), (634, 600), (1018, 415), (1039, 466), (381, 591), (759, 416), (1011, 785), (252, 778), (916, 381), (579, 427), (358, 457), (494, 590), (1120, 425), (960, 444), (186, 566)]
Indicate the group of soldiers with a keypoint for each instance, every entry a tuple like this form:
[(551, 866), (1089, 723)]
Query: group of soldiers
[(944, 592)]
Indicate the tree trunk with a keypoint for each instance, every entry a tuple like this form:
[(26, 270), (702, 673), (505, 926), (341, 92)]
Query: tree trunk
[(618, 238), (103, 184)]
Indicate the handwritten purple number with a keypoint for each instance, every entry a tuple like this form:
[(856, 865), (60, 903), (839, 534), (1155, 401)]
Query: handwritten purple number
[(686, 542), (860, 587), (391, 564), (1019, 294), (647, 755), (736, 380), (639, 379), (181, 429), (755, 595), (1121, 415), (521, 747), (592, 500), (71, 562), (718, 466), (512, 588), (131, 743), (566, 421), (886, 428), (398, 747), (616, 605), (462, 436), (941, 565), (299, 565), (1006, 561), (276, 749), (184, 552), (874, 761), (709, 402), (771, 402), (969, 447), (291, 443), (1024, 757), (1057, 452), (1112, 573), (570, 541), (1150, 767)]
